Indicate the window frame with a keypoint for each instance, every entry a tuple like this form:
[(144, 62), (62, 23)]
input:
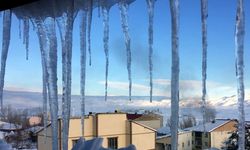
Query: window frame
[(112, 142)]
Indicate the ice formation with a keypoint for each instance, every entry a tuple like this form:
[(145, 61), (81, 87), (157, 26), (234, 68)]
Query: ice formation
[(89, 14), (83, 29), (174, 9), (105, 14), (204, 15), (151, 4), (40, 34), (45, 19), (26, 28), (123, 6), (65, 26), (5, 48), (239, 52)]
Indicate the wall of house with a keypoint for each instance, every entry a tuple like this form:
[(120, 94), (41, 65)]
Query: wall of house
[(75, 129), (113, 125), (219, 135), (217, 138), (142, 137), (105, 126), (183, 139)]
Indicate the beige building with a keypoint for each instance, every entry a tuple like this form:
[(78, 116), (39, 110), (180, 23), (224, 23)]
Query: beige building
[(184, 141), (115, 129), (194, 138)]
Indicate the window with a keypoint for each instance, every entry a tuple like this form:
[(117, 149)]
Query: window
[(206, 144), (182, 144), (188, 143), (206, 134), (74, 142), (112, 143)]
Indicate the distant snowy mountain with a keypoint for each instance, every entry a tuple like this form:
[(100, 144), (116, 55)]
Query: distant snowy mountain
[(226, 107)]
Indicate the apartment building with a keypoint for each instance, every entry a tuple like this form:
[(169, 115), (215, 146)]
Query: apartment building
[(216, 132), (184, 141), (116, 130), (198, 137)]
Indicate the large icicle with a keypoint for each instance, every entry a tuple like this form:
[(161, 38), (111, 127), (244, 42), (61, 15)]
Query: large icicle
[(239, 52), (83, 25), (5, 49), (204, 14), (65, 24), (105, 14), (123, 6), (26, 36), (174, 9), (89, 14), (42, 40), (150, 4), (49, 44)]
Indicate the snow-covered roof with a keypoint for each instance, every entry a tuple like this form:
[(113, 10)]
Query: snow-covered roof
[(164, 130), (8, 126), (210, 126)]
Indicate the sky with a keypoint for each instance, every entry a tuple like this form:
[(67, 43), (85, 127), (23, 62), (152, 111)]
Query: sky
[(26, 75)]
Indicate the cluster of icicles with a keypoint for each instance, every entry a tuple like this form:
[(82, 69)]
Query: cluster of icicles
[(62, 14)]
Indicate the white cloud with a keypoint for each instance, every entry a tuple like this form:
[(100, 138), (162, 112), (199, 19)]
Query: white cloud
[(193, 88), (121, 88)]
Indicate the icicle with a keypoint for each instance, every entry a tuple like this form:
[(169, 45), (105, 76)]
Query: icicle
[(89, 13), (204, 15), (52, 79), (105, 14), (5, 48), (174, 9), (20, 30), (99, 8), (26, 36), (150, 4), (83, 65), (123, 6), (48, 46), (65, 24), (239, 51), (42, 40)]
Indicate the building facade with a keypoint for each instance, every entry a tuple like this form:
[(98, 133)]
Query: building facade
[(115, 129), (213, 135)]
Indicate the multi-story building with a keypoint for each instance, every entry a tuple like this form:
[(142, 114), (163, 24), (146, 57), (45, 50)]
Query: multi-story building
[(116, 130), (213, 135), (184, 141)]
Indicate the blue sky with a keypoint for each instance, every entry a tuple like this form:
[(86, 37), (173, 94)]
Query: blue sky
[(26, 75)]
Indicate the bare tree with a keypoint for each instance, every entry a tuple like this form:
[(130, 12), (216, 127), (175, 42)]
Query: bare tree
[(210, 113), (188, 121)]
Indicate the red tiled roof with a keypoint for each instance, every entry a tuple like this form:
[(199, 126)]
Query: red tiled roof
[(133, 116)]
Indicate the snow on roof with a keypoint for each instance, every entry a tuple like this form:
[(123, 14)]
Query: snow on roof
[(164, 130), (210, 126), (8, 126)]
